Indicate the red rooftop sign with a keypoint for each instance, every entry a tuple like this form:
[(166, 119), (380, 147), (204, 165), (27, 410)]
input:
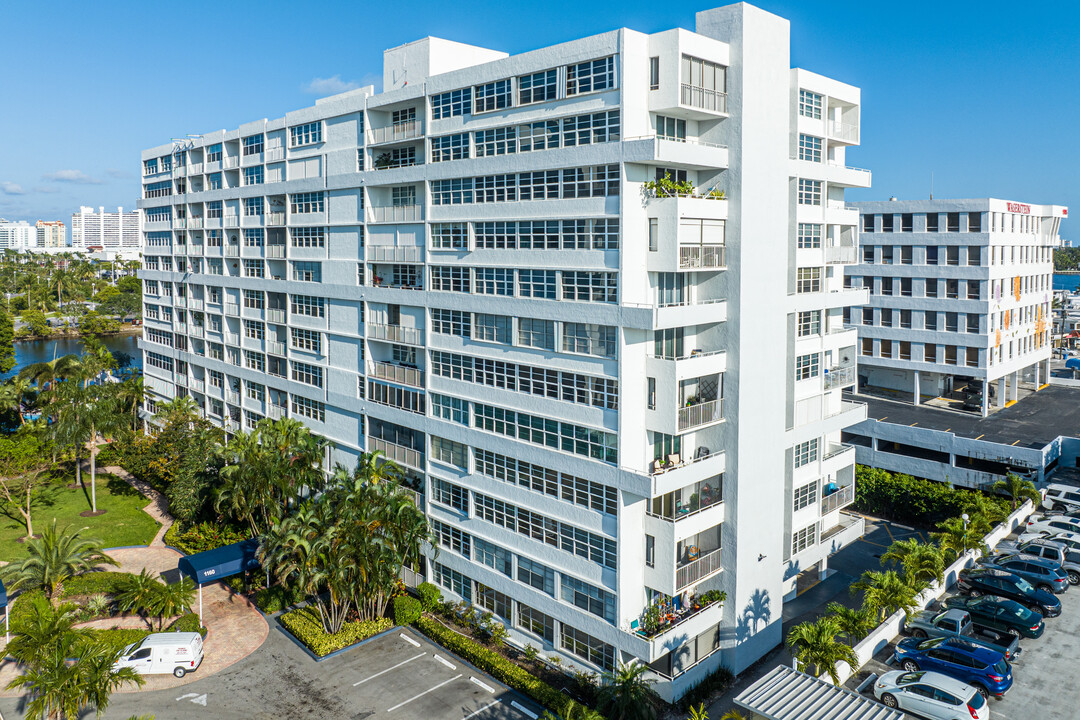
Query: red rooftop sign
[(1018, 208)]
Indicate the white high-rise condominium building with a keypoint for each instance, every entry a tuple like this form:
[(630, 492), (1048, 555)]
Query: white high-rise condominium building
[(110, 231), (611, 398), (959, 290), (51, 234), (17, 235)]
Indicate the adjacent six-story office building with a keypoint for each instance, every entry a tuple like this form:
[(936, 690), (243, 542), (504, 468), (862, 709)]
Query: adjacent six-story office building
[(612, 394)]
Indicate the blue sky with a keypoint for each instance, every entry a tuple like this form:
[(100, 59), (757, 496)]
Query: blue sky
[(986, 95)]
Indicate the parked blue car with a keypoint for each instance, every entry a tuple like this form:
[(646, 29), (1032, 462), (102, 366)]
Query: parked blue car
[(985, 669)]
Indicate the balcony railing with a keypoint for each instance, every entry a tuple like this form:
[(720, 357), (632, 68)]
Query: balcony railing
[(275, 154), (398, 213), (695, 570), (839, 377), (693, 257), (399, 374), (232, 397), (230, 221), (407, 130), (396, 333), (198, 385), (275, 219), (274, 347), (685, 302), (844, 131), (834, 449), (842, 497), (275, 251), (232, 338), (232, 251), (701, 414), (703, 98), (840, 255), (275, 315), (398, 453), (394, 254), (275, 412), (232, 309), (230, 162)]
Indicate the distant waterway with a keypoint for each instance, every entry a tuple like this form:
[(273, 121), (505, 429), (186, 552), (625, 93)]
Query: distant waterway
[(1066, 282), (28, 352)]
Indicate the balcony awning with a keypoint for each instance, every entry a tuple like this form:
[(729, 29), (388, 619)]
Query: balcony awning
[(222, 562), (787, 694)]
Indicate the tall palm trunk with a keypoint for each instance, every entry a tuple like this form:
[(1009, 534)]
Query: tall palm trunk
[(93, 468)]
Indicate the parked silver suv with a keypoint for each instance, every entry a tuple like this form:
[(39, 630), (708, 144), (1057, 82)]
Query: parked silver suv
[(1068, 558)]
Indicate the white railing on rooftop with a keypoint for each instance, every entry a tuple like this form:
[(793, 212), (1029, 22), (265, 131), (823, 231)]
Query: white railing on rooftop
[(703, 98)]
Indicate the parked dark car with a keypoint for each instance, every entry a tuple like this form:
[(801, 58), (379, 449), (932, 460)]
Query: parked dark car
[(1044, 574), (987, 670), (978, 581), (998, 615)]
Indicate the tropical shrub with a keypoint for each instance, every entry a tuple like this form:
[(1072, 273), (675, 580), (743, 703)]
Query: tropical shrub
[(406, 610), (304, 625), (915, 501), (277, 598), (716, 683), (202, 537), (430, 596), (93, 583)]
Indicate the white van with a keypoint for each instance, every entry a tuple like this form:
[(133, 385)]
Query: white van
[(174, 652)]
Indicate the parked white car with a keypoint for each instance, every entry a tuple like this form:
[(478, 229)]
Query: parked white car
[(1069, 540), (1061, 498), (159, 653), (1051, 524), (931, 695)]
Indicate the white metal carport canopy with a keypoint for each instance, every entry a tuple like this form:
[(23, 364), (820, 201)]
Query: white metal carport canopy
[(787, 694)]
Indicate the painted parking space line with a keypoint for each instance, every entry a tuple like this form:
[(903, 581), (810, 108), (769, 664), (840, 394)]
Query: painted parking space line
[(408, 639), (482, 684), (477, 712), (519, 708), (429, 690), (395, 667), (445, 662)]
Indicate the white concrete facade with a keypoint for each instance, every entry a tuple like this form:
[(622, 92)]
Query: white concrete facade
[(109, 231), (609, 397), (17, 235), (958, 288), (51, 234)]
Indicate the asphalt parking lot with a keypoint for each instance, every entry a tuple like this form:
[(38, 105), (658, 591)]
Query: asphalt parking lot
[(399, 675), (1046, 676)]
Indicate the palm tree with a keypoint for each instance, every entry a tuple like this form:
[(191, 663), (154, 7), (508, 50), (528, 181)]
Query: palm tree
[(1017, 489), (130, 395), (921, 562), (13, 395), (52, 559), (42, 629), (98, 679), (626, 694), (886, 592), (173, 599), (983, 511), (72, 425), (698, 713), (139, 595), (957, 536), (105, 419), (815, 646), (854, 624), (733, 714), (573, 711)]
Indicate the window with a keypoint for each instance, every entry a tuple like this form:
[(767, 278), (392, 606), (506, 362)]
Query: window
[(492, 328), (253, 145), (598, 181), (308, 237), (255, 391), (588, 339), (931, 222), (907, 222), (536, 622), (450, 278), (254, 361), (491, 96), (536, 284), (589, 598), (310, 340), (307, 202), (809, 323), (543, 135), (309, 306), (253, 238), (450, 236), (803, 539), (253, 175), (587, 647), (449, 494), (536, 333), (450, 408), (451, 322), (887, 222), (493, 556), (806, 452), (307, 374), (453, 581), (809, 235), (809, 148), (590, 286), (804, 496), (576, 439), (213, 181), (808, 280), (493, 601), (445, 192), (650, 551), (809, 192), (213, 153), (312, 409), (451, 104), (974, 222), (306, 134), (671, 128), (450, 147), (590, 76), (253, 329), (590, 129), (493, 281), (536, 575), (158, 189), (809, 104), (449, 452), (254, 299), (307, 271), (654, 73), (253, 206), (538, 87)]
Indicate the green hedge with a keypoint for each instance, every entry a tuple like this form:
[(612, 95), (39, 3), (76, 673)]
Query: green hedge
[(406, 610), (202, 537), (92, 583), (495, 664), (172, 536), (277, 598), (912, 501), (187, 623), (305, 626), (430, 596)]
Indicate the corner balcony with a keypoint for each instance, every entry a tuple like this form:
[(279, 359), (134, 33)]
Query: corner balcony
[(696, 570), (844, 132), (398, 132), (399, 374), (667, 624), (397, 213), (839, 377), (701, 414), (395, 333), (841, 497), (685, 153), (398, 453)]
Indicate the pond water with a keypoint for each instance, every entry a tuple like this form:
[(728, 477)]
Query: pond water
[(28, 352)]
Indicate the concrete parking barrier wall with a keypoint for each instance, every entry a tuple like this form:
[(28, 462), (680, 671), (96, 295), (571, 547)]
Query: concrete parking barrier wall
[(887, 631)]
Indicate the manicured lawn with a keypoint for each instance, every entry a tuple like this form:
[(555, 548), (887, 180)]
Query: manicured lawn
[(125, 523)]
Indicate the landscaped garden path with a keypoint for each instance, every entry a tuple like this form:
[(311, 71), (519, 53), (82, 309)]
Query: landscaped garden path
[(235, 627)]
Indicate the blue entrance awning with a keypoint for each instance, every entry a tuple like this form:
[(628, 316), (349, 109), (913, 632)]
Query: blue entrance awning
[(220, 562), (1073, 363), (3, 595)]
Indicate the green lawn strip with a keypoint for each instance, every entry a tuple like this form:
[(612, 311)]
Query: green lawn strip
[(125, 523), (305, 626)]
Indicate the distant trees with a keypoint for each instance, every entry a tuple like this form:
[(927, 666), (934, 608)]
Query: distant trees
[(7, 342)]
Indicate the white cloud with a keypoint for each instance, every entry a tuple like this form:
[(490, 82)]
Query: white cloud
[(329, 86), (119, 174), (10, 188), (45, 189), (72, 176)]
